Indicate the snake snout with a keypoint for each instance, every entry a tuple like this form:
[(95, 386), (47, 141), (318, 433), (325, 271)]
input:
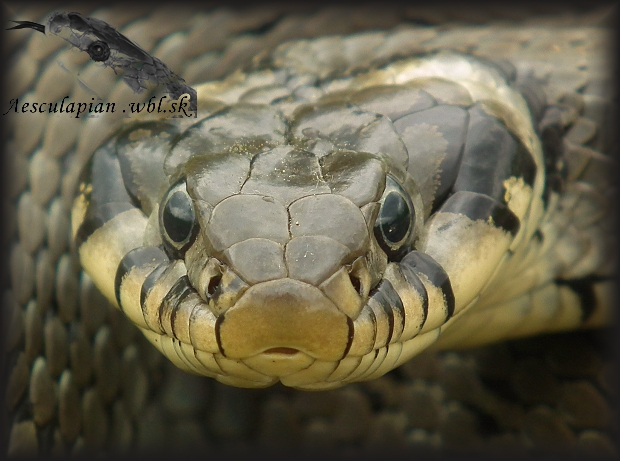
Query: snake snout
[(282, 318)]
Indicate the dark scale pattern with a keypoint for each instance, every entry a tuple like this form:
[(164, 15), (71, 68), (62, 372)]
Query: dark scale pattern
[(108, 197), (390, 301), (172, 301), (424, 264), (106, 178), (584, 288), (138, 257), (481, 207), (141, 150), (416, 284), (451, 123), (551, 131), (491, 155), (152, 280)]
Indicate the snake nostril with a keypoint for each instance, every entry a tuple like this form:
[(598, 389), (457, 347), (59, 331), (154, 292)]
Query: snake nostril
[(214, 283), (357, 284)]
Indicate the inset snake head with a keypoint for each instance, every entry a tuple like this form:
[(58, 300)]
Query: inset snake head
[(105, 44)]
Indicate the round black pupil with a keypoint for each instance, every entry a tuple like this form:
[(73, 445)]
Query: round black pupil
[(99, 51), (395, 217), (178, 216)]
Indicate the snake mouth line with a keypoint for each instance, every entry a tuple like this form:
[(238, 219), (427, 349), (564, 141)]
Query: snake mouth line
[(281, 350)]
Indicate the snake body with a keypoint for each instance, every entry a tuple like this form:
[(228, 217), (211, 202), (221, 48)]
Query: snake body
[(332, 214)]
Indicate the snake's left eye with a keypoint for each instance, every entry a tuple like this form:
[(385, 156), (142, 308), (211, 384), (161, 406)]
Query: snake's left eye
[(394, 227), (98, 51), (177, 219)]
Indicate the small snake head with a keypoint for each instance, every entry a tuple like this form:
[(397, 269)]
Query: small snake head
[(102, 42), (105, 44)]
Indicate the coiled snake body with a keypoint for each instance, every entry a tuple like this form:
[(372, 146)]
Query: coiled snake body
[(338, 207)]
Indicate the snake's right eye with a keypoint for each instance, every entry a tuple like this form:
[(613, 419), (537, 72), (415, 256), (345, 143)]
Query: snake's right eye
[(98, 51), (177, 219)]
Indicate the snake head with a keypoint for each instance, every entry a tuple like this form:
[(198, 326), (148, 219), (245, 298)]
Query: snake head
[(101, 41), (314, 247), (271, 257)]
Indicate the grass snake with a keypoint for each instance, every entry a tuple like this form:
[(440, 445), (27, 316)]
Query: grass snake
[(364, 298)]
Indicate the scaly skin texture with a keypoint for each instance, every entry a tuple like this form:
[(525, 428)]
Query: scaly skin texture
[(80, 379)]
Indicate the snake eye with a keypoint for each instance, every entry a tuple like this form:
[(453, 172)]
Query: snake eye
[(394, 227), (177, 219), (98, 51)]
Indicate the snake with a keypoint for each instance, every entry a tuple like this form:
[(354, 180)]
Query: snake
[(343, 203), (104, 44)]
